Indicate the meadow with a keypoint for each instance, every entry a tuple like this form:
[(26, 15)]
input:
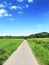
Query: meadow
[(7, 47), (40, 48)]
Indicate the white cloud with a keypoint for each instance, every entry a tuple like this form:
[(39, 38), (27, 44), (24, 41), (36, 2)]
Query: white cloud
[(20, 12), (19, 7), (20, 0), (10, 15), (27, 5), (2, 6), (11, 19), (4, 12), (30, 1), (16, 7), (39, 25), (13, 7)]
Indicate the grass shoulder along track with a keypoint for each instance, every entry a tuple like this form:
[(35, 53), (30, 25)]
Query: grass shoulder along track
[(40, 47), (7, 47)]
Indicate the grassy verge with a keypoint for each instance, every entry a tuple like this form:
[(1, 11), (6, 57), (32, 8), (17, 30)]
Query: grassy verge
[(7, 47), (40, 47)]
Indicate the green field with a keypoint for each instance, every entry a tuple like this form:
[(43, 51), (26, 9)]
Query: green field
[(40, 47), (7, 47)]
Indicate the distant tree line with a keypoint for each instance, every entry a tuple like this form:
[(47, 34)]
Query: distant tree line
[(37, 35), (11, 37)]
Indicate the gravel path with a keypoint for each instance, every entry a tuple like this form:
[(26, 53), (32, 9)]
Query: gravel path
[(22, 56)]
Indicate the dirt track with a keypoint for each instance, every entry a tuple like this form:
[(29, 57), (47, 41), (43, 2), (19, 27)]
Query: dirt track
[(22, 56)]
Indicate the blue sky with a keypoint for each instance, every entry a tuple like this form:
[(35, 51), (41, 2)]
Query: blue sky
[(24, 17)]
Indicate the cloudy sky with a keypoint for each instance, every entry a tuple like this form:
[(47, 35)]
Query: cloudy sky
[(24, 17)]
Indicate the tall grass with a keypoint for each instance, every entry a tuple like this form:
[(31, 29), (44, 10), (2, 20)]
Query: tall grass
[(40, 47), (7, 47)]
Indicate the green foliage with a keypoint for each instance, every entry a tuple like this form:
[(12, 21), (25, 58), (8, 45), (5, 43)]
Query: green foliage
[(39, 35), (11, 37), (7, 47), (40, 46)]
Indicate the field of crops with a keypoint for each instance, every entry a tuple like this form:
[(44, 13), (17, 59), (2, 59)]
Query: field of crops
[(40, 47), (7, 47)]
